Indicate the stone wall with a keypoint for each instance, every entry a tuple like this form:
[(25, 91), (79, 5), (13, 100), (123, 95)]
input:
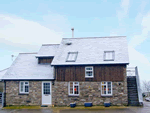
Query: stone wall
[(14, 98), (89, 92)]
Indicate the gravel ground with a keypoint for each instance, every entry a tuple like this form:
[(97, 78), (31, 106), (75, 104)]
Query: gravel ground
[(144, 109)]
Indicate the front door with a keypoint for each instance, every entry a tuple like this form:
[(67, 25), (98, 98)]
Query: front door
[(46, 93)]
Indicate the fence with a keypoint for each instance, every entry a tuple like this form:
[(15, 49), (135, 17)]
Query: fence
[(1, 99)]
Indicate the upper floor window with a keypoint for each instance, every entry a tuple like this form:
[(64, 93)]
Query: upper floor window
[(106, 88), (73, 88), (45, 60), (72, 56), (89, 72), (109, 55), (24, 87)]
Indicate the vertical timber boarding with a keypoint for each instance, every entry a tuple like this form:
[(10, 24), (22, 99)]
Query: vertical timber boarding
[(101, 73)]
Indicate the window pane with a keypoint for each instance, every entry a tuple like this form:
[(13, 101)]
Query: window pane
[(109, 91), (71, 90), (109, 55), (21, 86), (88, 68), (71, 87), (46, 88), (26, 82), (76, 83), (76, 89), (103, 82), (103, 89), (89, 73), (109, 87), (72, 56), (26, 88)]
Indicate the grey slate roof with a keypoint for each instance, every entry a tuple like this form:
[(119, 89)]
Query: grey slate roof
[(47, 50), (26, 67), (2, 72), (91, 50)]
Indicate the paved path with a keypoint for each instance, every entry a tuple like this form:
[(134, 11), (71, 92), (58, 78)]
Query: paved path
[(144, 109)]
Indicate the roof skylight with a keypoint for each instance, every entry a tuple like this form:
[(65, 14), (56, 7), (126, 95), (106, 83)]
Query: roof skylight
[(72, 56), (109, 55)]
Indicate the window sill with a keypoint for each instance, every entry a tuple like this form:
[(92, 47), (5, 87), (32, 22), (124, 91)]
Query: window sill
[(23, 93), (89, 77), (106, 95), (73, 95)]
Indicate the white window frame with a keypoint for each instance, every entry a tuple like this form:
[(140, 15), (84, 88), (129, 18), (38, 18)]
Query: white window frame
[(88, 71), (73, 89), (113, 55), (106, 88), (23, 92)]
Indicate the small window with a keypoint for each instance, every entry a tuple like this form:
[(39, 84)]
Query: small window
[(109, 55), (24, 87), (72, 56), (74, 88), (45, 60), (89, 72), (106, 88)]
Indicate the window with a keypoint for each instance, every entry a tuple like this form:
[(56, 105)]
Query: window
[(109, 55), (45, 60), (89, 72), (106, 88), (74, 88), (46, 88), (72, 56), (24, 87)]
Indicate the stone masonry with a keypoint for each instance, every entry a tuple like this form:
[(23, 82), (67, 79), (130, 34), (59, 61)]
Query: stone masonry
[(14, 98), (89, 92)]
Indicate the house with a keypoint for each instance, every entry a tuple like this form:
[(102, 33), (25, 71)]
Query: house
[(76, 70)]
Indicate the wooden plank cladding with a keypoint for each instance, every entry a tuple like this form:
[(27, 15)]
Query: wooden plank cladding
[(101, 73), (45, 60)]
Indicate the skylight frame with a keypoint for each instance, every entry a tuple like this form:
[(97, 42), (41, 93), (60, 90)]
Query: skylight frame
[(76, 53), (113, 55)]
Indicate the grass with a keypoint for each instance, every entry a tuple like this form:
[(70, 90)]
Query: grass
[(22, 107), (89, 108), (66, 108)]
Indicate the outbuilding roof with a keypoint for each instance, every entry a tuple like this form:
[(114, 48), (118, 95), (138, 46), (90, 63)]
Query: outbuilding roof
[(26, 67), (2, 72), (91, 50), (47, 50)]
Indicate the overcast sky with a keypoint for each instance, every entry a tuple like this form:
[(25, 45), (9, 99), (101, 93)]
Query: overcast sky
[(27, 24)]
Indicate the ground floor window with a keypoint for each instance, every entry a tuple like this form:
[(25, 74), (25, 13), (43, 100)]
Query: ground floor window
[(106, 88), (73, 88), (24, 86)]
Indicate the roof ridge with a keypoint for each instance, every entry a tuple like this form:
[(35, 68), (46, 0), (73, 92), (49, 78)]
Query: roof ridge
[(49, 44), (4, 69), (96, 37), (29, 53)]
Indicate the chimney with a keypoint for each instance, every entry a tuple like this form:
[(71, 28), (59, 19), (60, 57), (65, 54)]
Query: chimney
[(72, 32)]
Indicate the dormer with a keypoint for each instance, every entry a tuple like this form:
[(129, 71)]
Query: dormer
[(47, 53), (45, 60)]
